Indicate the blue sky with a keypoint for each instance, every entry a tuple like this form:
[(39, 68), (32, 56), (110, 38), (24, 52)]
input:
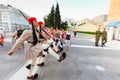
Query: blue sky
[(76, 9)]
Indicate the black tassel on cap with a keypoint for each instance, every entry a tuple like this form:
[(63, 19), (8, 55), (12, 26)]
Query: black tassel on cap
[(34, 35)]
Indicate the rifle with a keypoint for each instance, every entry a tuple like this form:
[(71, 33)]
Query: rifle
[(23, 14)]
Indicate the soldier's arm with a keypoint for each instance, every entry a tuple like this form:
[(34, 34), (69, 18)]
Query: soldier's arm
[(19, 42), (46, 33)]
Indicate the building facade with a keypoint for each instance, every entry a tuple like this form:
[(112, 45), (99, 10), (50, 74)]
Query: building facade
[(113, 24), (114, 11), (99, 20), (93, 24), (11, 18)]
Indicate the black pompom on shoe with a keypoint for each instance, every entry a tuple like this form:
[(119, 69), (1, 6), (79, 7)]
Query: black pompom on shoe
[(62, 57), (36, 76), (33, 77), (28, 66), (41, 64)]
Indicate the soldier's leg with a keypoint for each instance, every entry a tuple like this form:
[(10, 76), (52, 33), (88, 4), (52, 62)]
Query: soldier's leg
[(32, 66), (44, 53), (41, 61), (32, 75), (54, 54), (105, 40), (96, 41), (102, 42), (56, 48), (42, 58)]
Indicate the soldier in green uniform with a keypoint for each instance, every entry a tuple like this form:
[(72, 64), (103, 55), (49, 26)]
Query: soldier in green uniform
[(97, 36), (104, 37)]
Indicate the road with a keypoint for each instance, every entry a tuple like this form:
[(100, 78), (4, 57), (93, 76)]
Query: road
[(84, 62), (10, 64)]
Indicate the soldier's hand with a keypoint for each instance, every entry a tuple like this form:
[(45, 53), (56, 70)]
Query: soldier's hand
[(10, 53)]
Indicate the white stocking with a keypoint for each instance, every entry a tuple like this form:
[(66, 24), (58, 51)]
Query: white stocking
[(32, 66), (52, 53)]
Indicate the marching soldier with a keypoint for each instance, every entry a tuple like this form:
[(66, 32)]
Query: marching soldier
[(32, 47), (51, 49), (104, 37), (97, 36)]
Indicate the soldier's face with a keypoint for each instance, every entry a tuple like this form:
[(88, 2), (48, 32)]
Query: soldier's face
[(42, 26), (35, 24)]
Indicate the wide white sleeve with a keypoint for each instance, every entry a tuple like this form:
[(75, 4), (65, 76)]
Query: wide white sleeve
[(25, 36)]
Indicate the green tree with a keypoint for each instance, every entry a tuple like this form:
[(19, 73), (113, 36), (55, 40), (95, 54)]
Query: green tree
[(57, 17), (72, 24), (64, 25), (52, 17), (47, 21)]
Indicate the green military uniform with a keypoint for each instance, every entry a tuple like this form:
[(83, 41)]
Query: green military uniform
[(104, 38), (97, 38)]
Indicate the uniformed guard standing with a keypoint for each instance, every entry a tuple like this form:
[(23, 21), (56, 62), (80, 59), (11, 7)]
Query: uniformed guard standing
[(32, 47), (97, 36), (104, 37)]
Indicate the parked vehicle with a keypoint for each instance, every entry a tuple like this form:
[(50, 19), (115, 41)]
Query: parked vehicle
[(1, 39)]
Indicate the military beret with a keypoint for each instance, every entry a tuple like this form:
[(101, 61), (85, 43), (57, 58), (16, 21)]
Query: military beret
[(31, 19), (40, 22)]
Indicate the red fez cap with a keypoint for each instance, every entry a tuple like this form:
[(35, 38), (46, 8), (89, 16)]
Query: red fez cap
[(40, 22), (31, 19)]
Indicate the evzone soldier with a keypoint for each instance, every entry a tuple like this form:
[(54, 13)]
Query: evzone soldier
[(32, 46), (48, 46), (51, 46), (58, 39)]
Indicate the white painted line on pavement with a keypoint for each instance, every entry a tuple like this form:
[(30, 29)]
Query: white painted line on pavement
[(84, 46), (100, 68), (8, 40), (22, 73)]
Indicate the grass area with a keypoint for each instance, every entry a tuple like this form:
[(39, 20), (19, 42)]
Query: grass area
[(85, 32)]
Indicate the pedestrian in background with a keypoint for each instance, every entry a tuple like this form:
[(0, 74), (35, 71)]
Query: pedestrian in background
[(2, 32), (104, 37), (13, 36), (63, 35), (2, 35), (75, 33), (1, 40), (19, 32), (97, 36), (68, 36)]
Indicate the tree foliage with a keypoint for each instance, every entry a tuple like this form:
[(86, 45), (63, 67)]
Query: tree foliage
[(53, 19), (57, 17)]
